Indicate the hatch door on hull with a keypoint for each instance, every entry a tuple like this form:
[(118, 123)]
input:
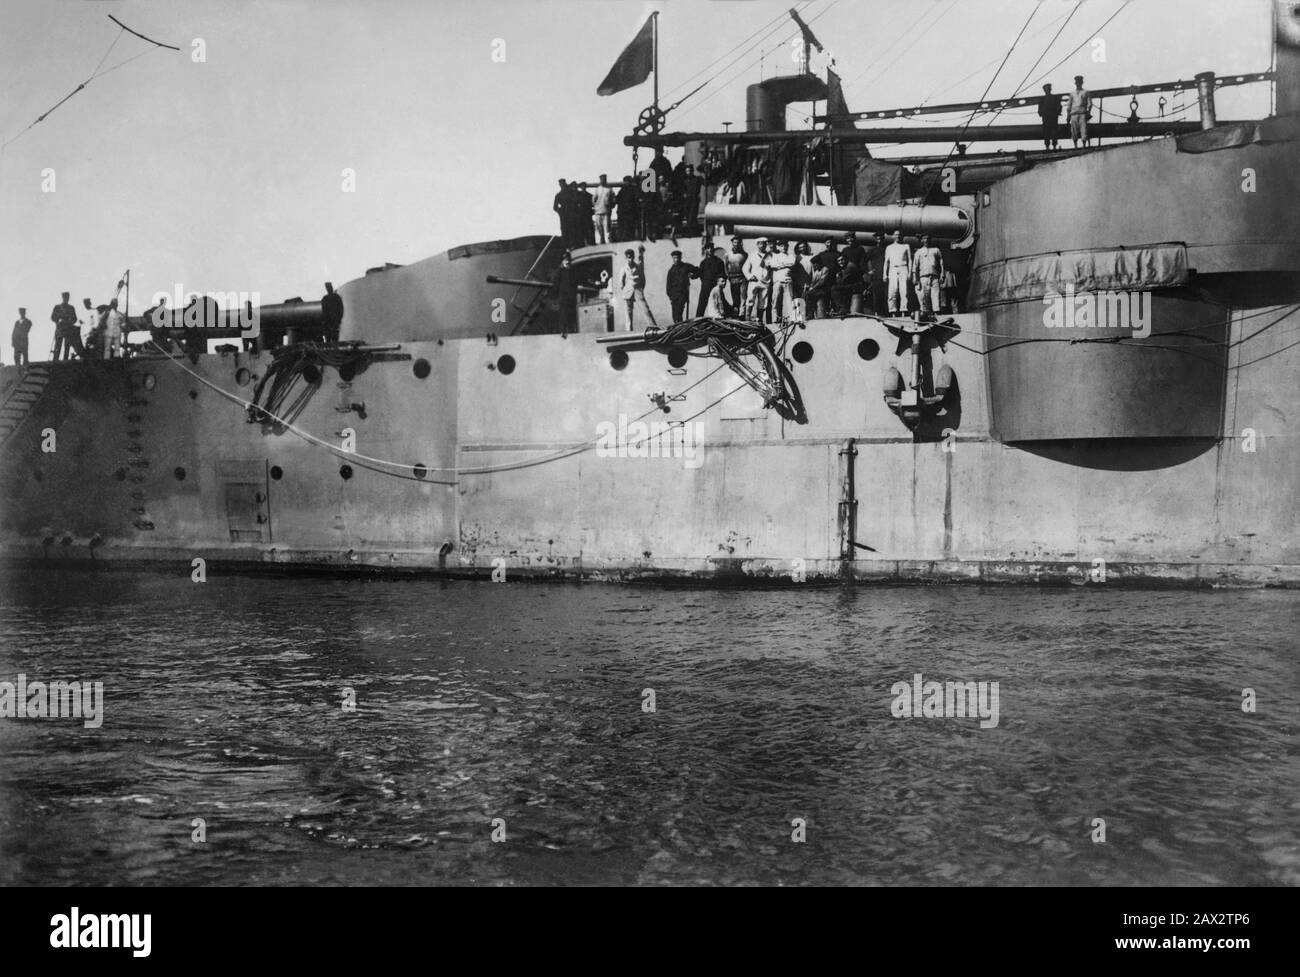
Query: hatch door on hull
[(247, 498)]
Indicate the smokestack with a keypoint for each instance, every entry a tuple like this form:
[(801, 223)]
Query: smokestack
[(1205, 95), (1286, 47)]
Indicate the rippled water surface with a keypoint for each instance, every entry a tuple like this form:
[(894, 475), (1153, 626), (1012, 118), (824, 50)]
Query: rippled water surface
[(224, 701)]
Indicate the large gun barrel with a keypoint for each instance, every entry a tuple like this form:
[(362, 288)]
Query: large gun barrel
[(949, 223), (217, 323)]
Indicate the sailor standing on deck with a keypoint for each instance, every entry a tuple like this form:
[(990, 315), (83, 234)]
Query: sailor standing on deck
[(1080, 109), (927, 274), (629, 286), (1049, 111), (875, 271), (93, 321), (331, 313), (114, 324), (66, 336), (781, 265), (679, 286), (711, 271), (22, 327), (758, 277), (736, 282), (602, 200), (898, 265)]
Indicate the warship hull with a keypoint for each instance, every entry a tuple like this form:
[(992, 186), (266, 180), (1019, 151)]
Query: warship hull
[(1162, 460)]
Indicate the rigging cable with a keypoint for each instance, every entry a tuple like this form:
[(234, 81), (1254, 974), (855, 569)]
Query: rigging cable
[(987, 88), (402, 467), (95, 74)]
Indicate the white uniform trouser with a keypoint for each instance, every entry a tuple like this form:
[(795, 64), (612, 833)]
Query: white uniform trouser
[(782, 300), (628, 304), (112, 343), (600, 223), (927, 290), (898, 291), (756, 301)]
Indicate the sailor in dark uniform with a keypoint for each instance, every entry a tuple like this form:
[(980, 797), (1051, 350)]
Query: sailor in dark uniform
[(679, 285), (331, 313), (19, 338), (66, 336)]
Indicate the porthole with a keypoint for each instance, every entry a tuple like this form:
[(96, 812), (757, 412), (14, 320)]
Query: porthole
[(506, 364), (179, 472), (277, 473), (618, 359), (677, 357), (149, 381), (242, 376), (421, 368), (345, 471), (194, 395), (868, 349), (419, 471), (311, 373), (802, 352), (347, 372)]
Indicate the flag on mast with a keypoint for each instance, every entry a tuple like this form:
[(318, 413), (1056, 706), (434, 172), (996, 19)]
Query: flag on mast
[(634, 64)]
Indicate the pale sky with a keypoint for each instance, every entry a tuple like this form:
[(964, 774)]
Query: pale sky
[(227, 175)]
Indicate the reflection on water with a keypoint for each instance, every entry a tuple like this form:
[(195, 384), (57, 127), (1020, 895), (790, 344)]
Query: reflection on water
[(224, 701)]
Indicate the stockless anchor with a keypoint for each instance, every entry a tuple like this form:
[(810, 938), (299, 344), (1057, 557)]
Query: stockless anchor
[(909, 400)]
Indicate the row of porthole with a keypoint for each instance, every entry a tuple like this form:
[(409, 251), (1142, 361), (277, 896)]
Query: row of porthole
[(277, 473), (802, 352)]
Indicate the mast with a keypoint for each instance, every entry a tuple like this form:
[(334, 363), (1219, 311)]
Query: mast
[(654, 34)]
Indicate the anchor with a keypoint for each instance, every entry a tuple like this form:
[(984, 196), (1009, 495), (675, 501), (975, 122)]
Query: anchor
[(909, 400)]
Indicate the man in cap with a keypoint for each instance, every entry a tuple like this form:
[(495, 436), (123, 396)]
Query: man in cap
[(780, 264), (1080, 109), (22, 327), (737, 284), (331, 313), (898, 266), (66, 336), (114, 325), (679, 285), (92, 321), (710, 271), (629, 210), (927, 274), (629, 285), (1049, 111), (602, 200)]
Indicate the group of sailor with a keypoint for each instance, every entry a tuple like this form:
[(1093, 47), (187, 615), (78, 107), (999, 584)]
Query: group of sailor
[(1078, 108), (772, 283), (662, 200), (104, 326)]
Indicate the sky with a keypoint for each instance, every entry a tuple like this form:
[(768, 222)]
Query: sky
[(227, 173)]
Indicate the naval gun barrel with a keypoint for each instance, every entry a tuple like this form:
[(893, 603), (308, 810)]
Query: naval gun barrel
[(521, 282), (950, 223), (206, 315)]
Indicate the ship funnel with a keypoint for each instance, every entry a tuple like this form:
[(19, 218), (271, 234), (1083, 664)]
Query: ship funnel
[(947, 223), (765, 102), (1205, 95), (1286, 50)]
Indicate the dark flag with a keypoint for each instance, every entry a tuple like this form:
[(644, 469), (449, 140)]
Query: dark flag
[(634, 64)]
